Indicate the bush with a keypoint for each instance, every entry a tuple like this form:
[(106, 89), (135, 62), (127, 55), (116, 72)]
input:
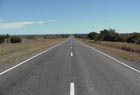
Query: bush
[(137, 41), (93, 35), (109, 35), (15, 39), (133, 38), (2, 39)]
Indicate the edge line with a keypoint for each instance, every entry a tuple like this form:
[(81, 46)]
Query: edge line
[(124, 64), (11, 68)]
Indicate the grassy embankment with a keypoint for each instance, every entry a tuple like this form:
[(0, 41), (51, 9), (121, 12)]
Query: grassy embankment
[(12, 52), (127, 51)]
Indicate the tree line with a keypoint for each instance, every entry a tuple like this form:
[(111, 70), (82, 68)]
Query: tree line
[(18, 38), (9, 39), (111, 35)]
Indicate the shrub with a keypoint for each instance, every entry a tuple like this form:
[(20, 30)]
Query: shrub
[(133, 38), (137, 41), (15, 39), (2, 39), (93, 35)]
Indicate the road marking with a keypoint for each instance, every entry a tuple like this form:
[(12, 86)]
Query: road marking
[(124, 64), (71, 53), (72, 91), (71, 47), (1, 73)]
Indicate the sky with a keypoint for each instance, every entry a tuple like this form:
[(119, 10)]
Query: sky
[(68, 16)]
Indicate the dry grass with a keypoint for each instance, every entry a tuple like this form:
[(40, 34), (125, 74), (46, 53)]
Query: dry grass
[(12, 52), (125, 50), (121, 45)]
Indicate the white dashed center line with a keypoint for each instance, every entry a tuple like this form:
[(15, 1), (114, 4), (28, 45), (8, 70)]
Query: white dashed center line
[(72, 91), (71, 53)]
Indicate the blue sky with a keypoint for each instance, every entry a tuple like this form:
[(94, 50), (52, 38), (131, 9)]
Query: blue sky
[(68, 16)]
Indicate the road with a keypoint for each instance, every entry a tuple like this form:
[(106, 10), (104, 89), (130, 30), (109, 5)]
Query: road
[(70, 68)]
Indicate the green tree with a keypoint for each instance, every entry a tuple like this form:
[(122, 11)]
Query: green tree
[(93, 35), (109, 35)]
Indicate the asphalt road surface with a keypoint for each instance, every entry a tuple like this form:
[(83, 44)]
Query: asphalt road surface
[(70, 68)]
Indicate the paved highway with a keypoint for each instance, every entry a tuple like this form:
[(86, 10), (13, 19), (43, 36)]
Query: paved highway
[(70, 68)]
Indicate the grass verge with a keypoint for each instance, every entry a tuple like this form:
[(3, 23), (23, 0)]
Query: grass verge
[(127, 51)]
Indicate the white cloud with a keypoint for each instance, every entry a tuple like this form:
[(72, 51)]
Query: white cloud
[(15, 25)]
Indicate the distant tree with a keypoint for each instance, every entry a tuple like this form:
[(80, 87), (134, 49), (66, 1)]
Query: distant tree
[(7, 37), (15, 39), (109, 35), (133, 38), (2, 39), (93, 35), (105, 35), (80, 35), (29, 37)]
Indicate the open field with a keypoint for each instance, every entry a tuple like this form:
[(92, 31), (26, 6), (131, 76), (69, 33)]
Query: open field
[(12, 52), (125, 50)]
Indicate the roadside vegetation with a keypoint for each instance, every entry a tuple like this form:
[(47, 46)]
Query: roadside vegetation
[(124, 45), (111, 35), (14, 48)]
